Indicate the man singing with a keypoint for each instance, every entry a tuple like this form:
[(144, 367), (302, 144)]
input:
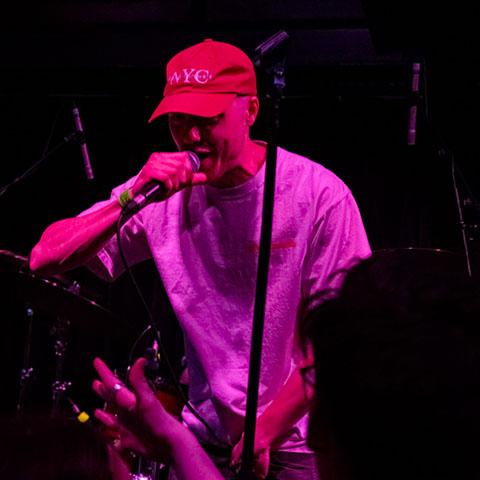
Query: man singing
[(203, 233)]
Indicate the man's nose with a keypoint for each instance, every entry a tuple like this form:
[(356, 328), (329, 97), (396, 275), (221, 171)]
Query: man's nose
[(192, 134)]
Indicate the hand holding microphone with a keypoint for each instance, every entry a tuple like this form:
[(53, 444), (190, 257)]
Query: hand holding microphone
[(163, 175)]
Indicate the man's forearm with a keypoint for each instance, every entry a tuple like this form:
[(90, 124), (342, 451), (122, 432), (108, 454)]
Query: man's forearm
[(288, 407), (274, 424), (70, 243), (189, 460)]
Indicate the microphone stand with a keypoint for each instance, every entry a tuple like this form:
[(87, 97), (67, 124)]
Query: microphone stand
[(73, 136), (270, 56), (446, 152)]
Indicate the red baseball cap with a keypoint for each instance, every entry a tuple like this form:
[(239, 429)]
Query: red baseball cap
[(204, 79)]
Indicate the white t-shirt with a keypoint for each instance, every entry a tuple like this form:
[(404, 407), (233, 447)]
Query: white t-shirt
[(205, 243)]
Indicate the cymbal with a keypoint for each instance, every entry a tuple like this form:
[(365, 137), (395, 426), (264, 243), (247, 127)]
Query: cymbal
[(446, 259), (13, 262), (59, 296)]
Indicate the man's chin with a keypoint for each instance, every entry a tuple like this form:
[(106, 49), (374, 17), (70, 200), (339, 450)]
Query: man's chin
[(207, 166)]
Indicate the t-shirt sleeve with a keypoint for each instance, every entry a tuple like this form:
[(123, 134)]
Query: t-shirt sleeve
[(338, 241)]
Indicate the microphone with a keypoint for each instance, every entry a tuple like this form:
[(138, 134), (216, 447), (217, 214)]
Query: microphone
[(412, 122), (83, 143), (153, 189)]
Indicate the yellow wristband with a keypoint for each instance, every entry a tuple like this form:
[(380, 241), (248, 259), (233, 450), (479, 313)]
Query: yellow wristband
[(125, 198)]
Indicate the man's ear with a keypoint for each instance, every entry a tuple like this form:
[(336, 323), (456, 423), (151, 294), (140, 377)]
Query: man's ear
[(252, 110)]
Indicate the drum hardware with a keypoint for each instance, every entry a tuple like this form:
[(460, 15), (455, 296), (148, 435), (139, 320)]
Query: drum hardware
[(58, 389), (148, 469), (74, 288), (60, 296), (152, 364), (472, 218), (61, 345), (439, 259), (54, 302), (27, 370)]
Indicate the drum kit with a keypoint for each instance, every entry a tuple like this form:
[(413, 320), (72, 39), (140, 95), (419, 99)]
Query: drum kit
[(53, 304), (42, 311)]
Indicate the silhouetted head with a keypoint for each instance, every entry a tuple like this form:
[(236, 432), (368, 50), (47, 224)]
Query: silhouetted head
[(397, 363)]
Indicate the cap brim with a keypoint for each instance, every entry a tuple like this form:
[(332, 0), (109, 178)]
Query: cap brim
[(199, 104)]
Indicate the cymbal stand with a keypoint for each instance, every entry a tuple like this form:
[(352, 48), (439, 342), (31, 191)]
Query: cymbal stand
[(148, 469), (59, 386), (27, 370)]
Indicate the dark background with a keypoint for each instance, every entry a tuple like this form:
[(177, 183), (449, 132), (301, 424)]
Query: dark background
[(346, 105)]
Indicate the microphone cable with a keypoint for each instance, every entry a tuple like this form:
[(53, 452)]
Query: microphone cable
[(135, 344), (152, 326)]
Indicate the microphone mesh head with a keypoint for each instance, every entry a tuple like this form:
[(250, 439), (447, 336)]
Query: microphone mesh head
[(195, 161)]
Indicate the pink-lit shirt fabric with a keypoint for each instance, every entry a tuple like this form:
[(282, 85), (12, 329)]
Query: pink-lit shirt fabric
[(205, 243)]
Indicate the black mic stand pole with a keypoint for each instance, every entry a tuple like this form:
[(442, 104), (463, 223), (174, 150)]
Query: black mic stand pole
[(270, 55), (446, 152)]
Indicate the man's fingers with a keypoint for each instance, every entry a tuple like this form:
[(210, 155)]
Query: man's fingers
[(262, 463), (100, 390), (108, 419), (261, 460), (198, 178), (236, 459), (139, 382), (113, 389), (137, 372), (105, 374)]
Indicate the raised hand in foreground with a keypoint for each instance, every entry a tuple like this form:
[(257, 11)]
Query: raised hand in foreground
[(145, 427)]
